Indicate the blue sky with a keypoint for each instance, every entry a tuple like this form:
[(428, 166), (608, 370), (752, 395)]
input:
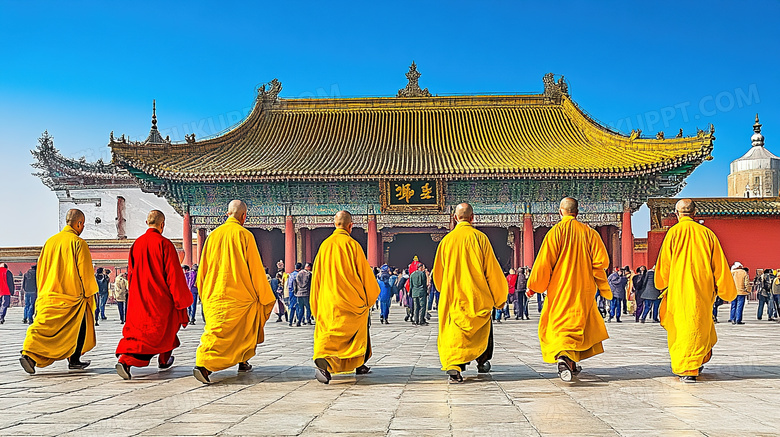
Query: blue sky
[(82, 69)]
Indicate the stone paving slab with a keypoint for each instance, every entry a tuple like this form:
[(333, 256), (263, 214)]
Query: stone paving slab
[(628, 391)]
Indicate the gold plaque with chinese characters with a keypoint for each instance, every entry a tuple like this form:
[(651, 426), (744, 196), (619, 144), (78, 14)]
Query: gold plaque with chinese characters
[(423, 195)]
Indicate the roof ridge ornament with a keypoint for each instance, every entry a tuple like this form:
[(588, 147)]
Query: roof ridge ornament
[(554, 91), (412, 88), (271, 94)]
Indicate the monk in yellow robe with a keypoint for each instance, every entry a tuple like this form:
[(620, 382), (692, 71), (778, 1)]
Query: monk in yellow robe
[(237, 298), (343, 290), (471, 284), (692, 270), (64, 325), (571, 267)]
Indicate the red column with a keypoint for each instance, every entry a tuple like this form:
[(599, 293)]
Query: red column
[(201, 241), (307, 245), (187, 240), (627, 240), (528, 240), (289, 244), (373, 246)]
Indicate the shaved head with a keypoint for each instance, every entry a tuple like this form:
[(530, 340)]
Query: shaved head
[(75, 219), (570, 206), (73, 215), (685, 207), (342, 219), (238, 209), (155, 217), (464, 212)]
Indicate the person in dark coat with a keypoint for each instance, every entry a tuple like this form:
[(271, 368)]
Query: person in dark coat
[(650, 295), (30, 289)]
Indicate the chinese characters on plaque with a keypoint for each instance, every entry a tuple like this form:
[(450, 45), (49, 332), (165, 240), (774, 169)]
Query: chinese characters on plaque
[(409, 195)]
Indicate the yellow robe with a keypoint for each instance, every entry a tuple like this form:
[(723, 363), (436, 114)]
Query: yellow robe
[(237, 298), (471, 283), (343, 290), (693, 269), (66, 295), (571, 267)]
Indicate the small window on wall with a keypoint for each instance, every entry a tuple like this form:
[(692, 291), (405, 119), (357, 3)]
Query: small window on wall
[(757, 182)]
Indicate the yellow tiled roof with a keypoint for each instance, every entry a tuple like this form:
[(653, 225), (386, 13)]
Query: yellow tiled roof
[(452, 137)]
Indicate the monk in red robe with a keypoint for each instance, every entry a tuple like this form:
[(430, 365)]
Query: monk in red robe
[(157, 301)]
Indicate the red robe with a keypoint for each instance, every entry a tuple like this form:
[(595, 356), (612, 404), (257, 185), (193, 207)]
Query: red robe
[(158, 297)]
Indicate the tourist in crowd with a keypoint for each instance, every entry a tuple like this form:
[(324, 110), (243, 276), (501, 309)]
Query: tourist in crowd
[(637, 283), (302, 289), (121, 287), (343, 291), (419, 288), (406, 297), (103, 280), (776, 290), (471, 283), (775, 294), (277, 288), (764, 286), (6, 290), (161, 298), (433, 296), (30, 289), (393, 281), (62, 327), (511, 280), (521, 300), (742, 282), (617, 284), (571, 265), (693, 270), (651, 297), (235, 295), (191, 275), (291, 293), (385, 295), (627, 274)]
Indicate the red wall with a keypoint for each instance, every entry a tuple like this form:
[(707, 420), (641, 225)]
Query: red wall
[(753, 241)]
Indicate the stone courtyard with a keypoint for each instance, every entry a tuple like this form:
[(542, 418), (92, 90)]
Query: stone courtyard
[(627, 391)]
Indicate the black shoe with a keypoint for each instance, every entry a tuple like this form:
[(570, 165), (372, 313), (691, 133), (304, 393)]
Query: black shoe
[(716, 320), (123, 370), (78, 365), (201, 374), (484, 367), (363, 370), (298, 324), (192, 322), (619, 321), (321, 371), (382, 320), (739, 323), (498, 320), (28, 364), (279, 320), (244, 367), (96, 323), (688, 379), (406, 319), (24, 321), (387, 322), (167, 365), (424, 324), (454, 377), (609, 319), (103, 318), (641, 320)]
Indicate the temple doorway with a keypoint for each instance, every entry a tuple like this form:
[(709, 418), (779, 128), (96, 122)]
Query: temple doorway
[(402, 250), (271, 246)]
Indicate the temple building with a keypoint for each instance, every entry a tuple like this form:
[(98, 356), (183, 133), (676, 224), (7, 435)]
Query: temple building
[(757, 173), (400, 165), (746, 222)]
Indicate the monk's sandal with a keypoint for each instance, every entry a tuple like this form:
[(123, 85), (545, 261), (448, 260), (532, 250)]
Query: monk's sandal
[(564, 371), (484, 367), (454, 377), (321, 371), (28, 364), (201, 374), (123, 370), (244, 367)]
